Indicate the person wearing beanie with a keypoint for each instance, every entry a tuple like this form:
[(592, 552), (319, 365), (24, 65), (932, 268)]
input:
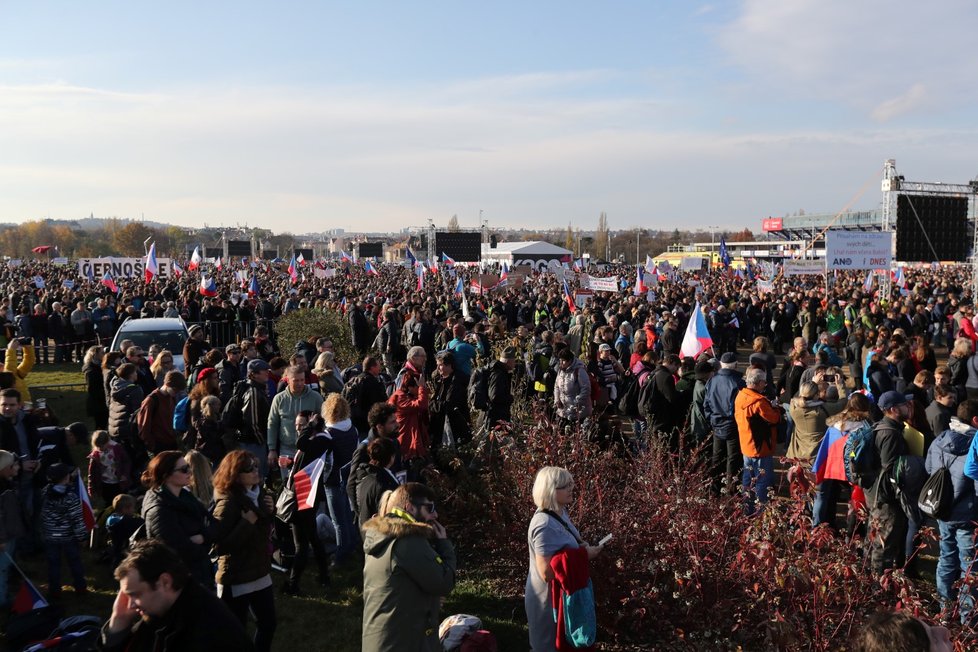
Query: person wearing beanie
[(11, 519), (62, 529)]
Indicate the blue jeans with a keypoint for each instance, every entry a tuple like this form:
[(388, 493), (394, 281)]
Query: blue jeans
[(759, 473), (341, 514), (826, 502), (55, 550), (957, 555)]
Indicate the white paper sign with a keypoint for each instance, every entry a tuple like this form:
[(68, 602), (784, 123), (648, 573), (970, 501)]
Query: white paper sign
[(801, 267), (609, 284), (858, 250), (692, 264), (120, 267)]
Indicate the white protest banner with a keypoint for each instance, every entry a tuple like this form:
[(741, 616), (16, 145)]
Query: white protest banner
[(858, 250), (581, 296), (324, 273), (61, 260), (120, 267), (765, 287), (692, 263), (609, 284), (14, 262), (68, 283), (801, 267)]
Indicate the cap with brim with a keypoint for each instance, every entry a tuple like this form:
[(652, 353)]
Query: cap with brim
[(257, 366), (604, 347), (892, 399)]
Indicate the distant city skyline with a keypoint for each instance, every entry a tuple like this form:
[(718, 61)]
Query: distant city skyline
[(312, 116)]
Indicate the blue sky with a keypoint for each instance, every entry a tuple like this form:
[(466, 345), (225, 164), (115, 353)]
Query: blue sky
[(306, 116)]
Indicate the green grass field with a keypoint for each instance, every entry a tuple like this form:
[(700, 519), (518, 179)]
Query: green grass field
[(320, 621)]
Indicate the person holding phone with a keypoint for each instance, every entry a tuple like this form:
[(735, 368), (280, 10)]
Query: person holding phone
[(551, 530)]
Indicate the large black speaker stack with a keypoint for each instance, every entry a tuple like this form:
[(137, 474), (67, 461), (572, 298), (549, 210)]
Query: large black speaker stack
[(945, 221), (239, 248), (370, 249), (460, 246)]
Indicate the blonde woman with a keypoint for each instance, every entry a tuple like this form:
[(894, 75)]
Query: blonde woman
[(202, 481), (551, 530), (162, 363)]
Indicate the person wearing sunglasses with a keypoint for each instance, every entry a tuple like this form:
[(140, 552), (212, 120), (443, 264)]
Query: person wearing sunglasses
[(409, 568), (243, 514), (173, 515)]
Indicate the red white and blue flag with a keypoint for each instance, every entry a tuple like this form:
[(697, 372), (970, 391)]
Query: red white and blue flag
[(108, 282), (28, 597), (640, 288), (220, 263), (301, 259), (194, 259), (208, 287), (448, 260), (293, 269), (152, 267), (697, 338), (177, 270), (459, 287), (569, 299), (410, 256), (371, 270), (343, 305), (419, 272), (306, 483), (253, 287), (88, 514), (345, 256)]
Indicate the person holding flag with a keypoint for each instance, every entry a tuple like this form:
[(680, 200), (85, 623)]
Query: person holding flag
[(697, 338), (109, 282), (177, 270), (63, 528), (370, 269), (208, 287), (447, 260), (253, 288)]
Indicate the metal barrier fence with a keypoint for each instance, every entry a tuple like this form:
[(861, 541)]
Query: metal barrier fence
[(222, 333)]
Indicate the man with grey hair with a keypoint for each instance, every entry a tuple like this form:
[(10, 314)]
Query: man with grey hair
[(417, 357), (757, 427)]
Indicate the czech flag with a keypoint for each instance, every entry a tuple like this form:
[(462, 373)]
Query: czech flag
[(830, 460), (697, 338), (152, 267), (649, 264), (293, 269), (445, 258), (109, 283), (868, 283), (343, 305), (639, 288), (177, 270), (459, 288), (194, 259), (253, 287), (433, 265), (569, 299), (28, 597), (301, 259), (345, 256), (305, 482), (371, 270), (219, 265), (86, 504), (208, 287), (419, 272)]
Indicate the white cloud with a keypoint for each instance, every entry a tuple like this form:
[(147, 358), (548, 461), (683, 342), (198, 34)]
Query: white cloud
[(915, 97), (859, 53)]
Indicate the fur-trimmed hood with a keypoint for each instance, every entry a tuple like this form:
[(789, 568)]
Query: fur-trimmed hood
[(381, 531)]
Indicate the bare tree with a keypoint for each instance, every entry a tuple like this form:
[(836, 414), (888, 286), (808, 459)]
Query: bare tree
[(600, 248), (453, 224)]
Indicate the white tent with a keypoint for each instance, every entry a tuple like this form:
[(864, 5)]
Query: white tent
[(535, 253)]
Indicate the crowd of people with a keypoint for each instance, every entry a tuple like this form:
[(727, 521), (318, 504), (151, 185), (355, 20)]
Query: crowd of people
[(256, 440)]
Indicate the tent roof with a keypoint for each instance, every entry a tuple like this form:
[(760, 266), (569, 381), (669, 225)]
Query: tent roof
[(532, 248)]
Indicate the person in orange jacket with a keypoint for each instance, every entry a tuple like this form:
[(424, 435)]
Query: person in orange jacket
[(757, 425)]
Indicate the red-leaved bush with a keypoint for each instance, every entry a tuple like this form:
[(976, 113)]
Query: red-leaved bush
[(686, 570)]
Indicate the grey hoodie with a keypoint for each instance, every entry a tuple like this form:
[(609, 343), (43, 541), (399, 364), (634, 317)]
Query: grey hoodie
[(281, 417)]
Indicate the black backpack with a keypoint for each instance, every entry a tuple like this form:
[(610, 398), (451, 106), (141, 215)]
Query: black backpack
[(937, 495), (479, 388), (353, 392), (630, 396), (233, 413)]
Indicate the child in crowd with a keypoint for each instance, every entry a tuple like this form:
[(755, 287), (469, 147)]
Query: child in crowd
[(121, 524), (62, 528), (109, 468)]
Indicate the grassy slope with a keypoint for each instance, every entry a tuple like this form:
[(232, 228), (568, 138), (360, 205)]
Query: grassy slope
[(318, 622)]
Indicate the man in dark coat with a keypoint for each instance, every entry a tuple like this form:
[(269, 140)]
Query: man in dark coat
[(360, 328), (887, 548), (660, 398), (161, 608), (501, 387), (718, 407), (449, 402)]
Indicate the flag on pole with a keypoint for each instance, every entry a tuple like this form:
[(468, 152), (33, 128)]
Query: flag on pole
[(219, 265), (649, 264), (448, 260), (371, 270), (300, 259), (208, 287), (343, 305), (410, 256), (465, 308), (28, 597), (177, 270), (569, 298), (459, 287), (194, 259), (306, 482), (345, 257), (419, 272), (697, 338), (253, 286), (90, 274), (88, 514), (900, 279), (152, 268), (639, 288), (724, 254), (109, 283), (868, 283), (293, 269)]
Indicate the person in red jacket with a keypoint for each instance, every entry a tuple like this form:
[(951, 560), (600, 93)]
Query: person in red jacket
[(411, 401), (156, 414)]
